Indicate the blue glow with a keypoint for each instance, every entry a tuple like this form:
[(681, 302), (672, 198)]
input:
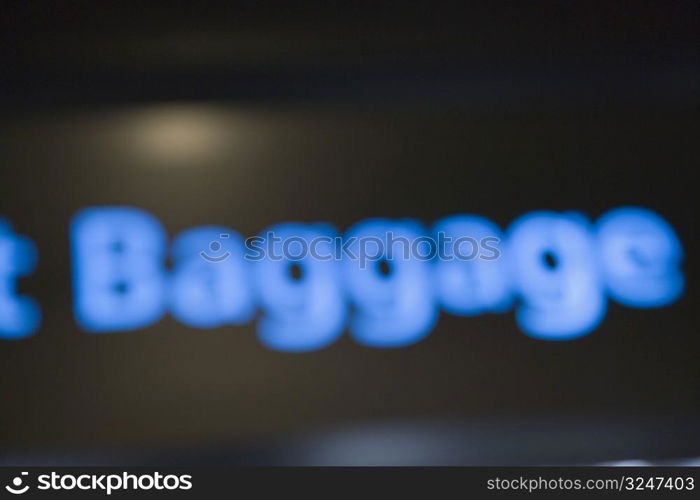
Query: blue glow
[(304, 312), (118, 273), (19, 316), (641, 257), (556, 274), (477, 282), (393, 309), (557, 267), (210, 284)]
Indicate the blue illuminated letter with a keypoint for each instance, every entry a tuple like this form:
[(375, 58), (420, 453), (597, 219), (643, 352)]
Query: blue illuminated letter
[(299, 289), (641, 256), (118, 256), (210, 281), (19, 316), (556, 274), (469, 279), (390, 287)]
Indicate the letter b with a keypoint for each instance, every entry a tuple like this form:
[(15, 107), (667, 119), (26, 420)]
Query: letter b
[(118, 270)]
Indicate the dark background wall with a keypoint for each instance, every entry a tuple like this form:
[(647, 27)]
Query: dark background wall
[(339, 113)]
